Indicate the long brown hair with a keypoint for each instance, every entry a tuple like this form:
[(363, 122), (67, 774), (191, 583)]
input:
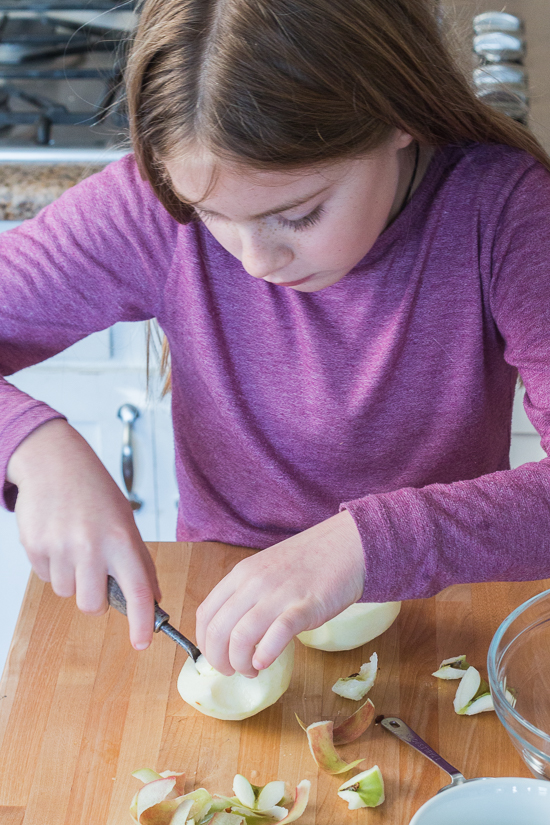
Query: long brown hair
[(280, 84)]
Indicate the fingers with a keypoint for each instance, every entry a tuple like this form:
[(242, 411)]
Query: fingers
[(80, 568), (260, 637), (216, 617), (91, 589), (208, 609), (140, 603), (243, 634), (41, 567), (77, 526), (62, 579), (253, 613), (276, 638)]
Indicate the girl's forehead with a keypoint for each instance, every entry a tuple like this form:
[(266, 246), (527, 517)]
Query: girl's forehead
[(201, 179)]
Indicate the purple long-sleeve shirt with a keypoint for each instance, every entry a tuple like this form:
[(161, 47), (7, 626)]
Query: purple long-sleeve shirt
[(389, 393)]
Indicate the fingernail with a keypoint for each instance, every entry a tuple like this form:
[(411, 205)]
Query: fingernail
[(141, 645)]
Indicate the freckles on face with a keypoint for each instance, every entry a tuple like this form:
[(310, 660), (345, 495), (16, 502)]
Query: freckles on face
[(311, 226)]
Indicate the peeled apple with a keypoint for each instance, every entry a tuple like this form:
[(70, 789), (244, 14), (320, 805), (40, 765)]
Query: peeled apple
[(356, 625), (234, 697)]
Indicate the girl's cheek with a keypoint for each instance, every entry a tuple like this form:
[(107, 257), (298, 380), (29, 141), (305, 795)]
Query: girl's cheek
[(228, 239)]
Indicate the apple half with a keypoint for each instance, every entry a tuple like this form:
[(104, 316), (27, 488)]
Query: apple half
[(353, 627), (234, 697)]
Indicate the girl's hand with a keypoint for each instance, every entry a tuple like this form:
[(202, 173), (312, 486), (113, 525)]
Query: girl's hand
[(253, 613), (76, 526)]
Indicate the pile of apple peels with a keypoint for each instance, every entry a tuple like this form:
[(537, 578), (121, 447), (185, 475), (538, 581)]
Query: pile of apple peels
[(366, 789), (161, 801), (473, 694)]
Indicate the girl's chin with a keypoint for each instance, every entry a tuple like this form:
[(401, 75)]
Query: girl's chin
[(317, 282)]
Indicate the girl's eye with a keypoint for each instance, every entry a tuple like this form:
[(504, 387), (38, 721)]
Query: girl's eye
[(306, 221), (205, 217)]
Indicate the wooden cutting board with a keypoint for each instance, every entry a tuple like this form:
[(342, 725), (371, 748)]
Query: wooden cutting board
[(80, 709)]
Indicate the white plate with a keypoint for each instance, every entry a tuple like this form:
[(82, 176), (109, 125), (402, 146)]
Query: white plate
[(491, 801)]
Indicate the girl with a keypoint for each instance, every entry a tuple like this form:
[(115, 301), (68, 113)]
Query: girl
[(349, 256)]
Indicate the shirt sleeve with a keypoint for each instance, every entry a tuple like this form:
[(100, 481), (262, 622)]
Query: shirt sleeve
[(98, 255), (495, 527)]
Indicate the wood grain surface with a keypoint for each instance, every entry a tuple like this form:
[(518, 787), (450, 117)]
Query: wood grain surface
[(80, 709)]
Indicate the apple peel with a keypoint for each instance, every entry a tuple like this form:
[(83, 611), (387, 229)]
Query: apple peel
[(453, 668), (366, 790), (155, 803), (358, 685), (355, 725), (259, 804), (321, 745), (471, 689), (473, 695), (255, 800), (301, 798)]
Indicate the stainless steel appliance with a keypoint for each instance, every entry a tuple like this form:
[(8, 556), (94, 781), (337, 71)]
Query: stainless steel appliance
[(500, 78), (61, 65)]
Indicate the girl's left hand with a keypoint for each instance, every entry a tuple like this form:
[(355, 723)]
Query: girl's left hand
[(252, 614)]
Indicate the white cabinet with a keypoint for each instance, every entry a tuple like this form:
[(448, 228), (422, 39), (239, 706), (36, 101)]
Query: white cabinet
[(89, 383), (525, 439)]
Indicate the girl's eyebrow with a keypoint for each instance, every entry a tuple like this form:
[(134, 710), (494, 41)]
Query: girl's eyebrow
[(269, 212)]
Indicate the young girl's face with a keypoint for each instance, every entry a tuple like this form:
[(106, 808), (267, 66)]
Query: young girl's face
[(302, 230)]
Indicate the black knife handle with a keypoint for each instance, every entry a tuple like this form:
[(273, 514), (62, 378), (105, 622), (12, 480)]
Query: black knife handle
[(117, 600)]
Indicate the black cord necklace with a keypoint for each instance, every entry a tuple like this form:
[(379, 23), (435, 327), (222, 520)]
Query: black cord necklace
[(407, 197)]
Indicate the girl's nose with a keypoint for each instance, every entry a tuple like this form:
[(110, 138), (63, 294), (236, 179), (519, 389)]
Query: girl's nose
[(262, 257)]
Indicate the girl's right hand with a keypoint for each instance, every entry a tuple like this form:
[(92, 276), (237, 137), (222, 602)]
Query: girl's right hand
[(77, 526)]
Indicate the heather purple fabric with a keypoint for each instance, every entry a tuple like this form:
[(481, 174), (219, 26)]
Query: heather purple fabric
[(389, 393)]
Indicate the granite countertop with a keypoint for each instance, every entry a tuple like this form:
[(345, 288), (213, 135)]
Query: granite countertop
[(25, 189)]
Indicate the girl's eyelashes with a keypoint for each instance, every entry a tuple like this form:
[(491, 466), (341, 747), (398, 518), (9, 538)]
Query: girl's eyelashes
[(205, 217), (301, 223), (306, 221)]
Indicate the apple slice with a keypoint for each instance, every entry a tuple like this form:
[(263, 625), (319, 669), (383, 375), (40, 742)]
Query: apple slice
[(234, 697), (366, 790), (353, 627)]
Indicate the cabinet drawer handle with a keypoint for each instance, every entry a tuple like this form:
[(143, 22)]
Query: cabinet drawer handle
[(128, 414)]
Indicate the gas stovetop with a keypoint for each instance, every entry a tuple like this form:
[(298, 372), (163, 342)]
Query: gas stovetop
[(61, 64)]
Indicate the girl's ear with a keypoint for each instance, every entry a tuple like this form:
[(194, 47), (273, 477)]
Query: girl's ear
[(402, 139)]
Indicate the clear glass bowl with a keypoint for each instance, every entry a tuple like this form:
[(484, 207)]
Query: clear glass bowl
[(519, 676)]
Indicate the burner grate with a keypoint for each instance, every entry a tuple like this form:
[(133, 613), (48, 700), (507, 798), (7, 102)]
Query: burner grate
[(57, 73), (65, 5)]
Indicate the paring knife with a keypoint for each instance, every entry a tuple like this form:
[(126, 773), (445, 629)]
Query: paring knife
[(117, 600)]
